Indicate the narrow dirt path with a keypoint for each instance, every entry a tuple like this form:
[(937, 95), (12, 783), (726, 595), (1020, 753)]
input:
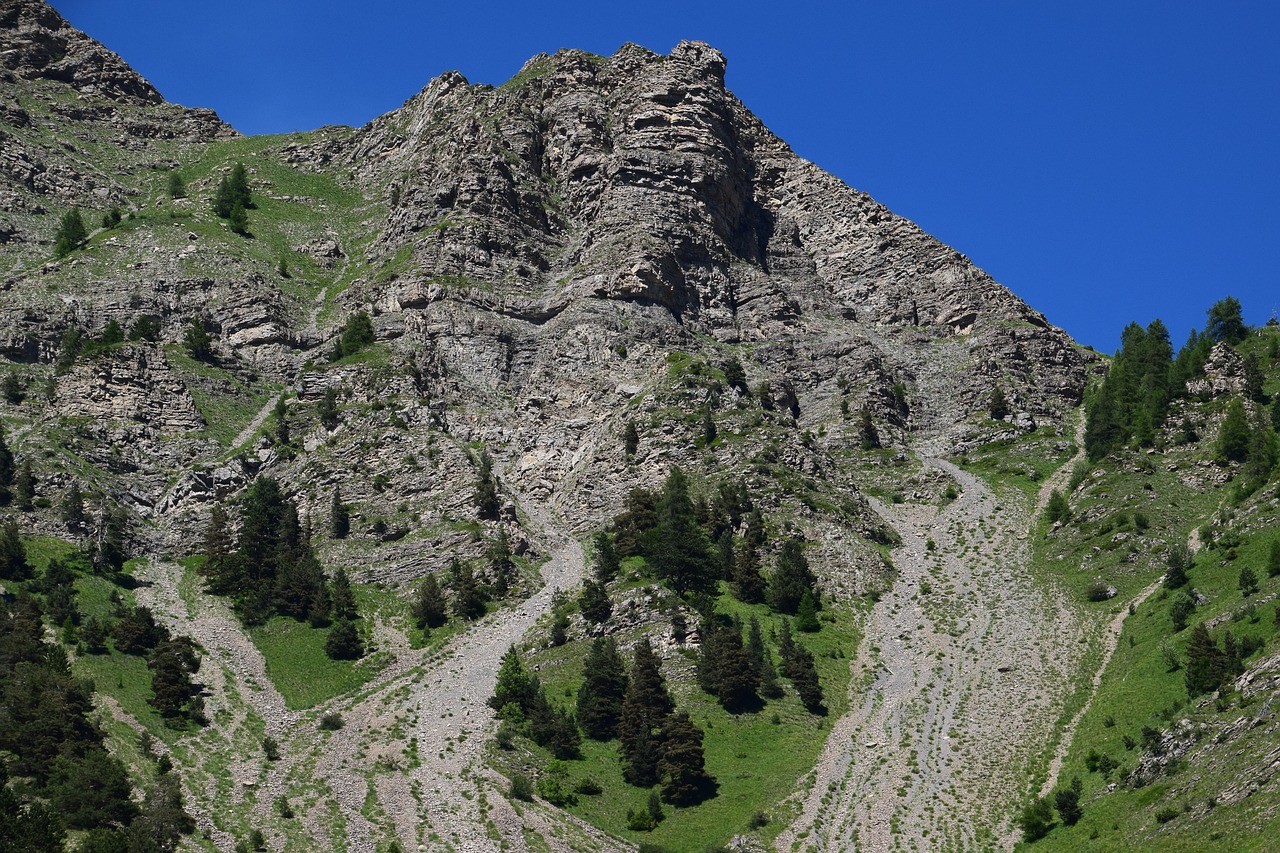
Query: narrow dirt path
[(963, 667), (254, 425)]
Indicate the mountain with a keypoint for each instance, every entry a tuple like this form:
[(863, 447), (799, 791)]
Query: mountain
[(490, 316)]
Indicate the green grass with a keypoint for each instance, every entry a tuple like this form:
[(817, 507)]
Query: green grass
[(298, 666), (1140, 690), (756, 762)]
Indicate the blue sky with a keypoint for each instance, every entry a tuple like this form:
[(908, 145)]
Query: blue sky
[(1106, 161)]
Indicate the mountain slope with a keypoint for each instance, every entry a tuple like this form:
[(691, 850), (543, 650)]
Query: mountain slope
[(600, 243)]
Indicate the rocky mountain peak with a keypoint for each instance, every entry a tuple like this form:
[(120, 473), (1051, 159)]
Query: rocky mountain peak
[(36, 42)]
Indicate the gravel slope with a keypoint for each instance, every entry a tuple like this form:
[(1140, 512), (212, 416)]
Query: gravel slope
[(961, 677)]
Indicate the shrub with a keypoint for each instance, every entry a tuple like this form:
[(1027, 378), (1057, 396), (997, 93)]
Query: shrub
[(521, 787), (1036, 819), (1167, 814), (1099, 591), (331, 722)]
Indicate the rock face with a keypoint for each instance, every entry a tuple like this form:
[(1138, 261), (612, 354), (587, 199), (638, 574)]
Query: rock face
[(594, 242)]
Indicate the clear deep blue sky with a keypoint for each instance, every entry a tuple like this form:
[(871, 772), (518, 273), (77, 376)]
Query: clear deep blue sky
[(1107, 161)]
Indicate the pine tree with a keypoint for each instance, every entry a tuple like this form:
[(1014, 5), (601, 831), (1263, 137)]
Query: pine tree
[(807, 614), (241, 192), (1248, 581), (676, 547), (1253, 379), (24, 486), (1226, 321), (791, 578), (1036, 819), (515, 686), (13, 555), (798, 665), (429, 609), (344, 600), (498, 555), (1057, 509), (1206, 664), (748, 584), (725, 668), (998, 405), (1179, 561), (343, 641), (6, 469), (14, 395), (238, 219), (218, 546), (645, 707), (630, 439), (146, 327), (1233, 437), (1273, 559), (486, 494), (357, 333), (327, 409), (1181, 610), (281, 415), (637, 518), (197, 341), (71, 233), (607, 562), (708, 427), (468, 598), (175, 186), (112, 334), (604, 684), (685, 781), (868, 438), (172, 663), (594, 602)]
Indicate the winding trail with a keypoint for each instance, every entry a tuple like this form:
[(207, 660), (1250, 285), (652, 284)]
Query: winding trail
[(962, 672)]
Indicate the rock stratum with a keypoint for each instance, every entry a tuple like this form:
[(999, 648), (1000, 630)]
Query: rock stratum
[(597, 242)]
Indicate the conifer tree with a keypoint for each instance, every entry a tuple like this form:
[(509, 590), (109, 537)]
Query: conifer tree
[(1179, 561), (13, 555), (725, 668), (6, 470), (748, 584), (24, 486), (197, 341), (807, 613), (637, 517), (1248, 581), (344, 600), (608, 563), (682, 768), (14, 395), (868, 437), (1233, 437), (630, 439), (429, 608), (339, 516), (515, 686), (327, 410), (1206, 664), (71, 233), (594, 602), (1226, 321), (676, 547), (798, 665), (791, 579), (343, 641), (645, 708), (175, 186), (281, 416), (604, 684), (498, 555), (998, 405), (468, 598), (486, 494), (112, 334), (1273, 559)]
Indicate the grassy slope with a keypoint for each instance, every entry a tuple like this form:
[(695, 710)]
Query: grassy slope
[(1139, 689), (758, 762)]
